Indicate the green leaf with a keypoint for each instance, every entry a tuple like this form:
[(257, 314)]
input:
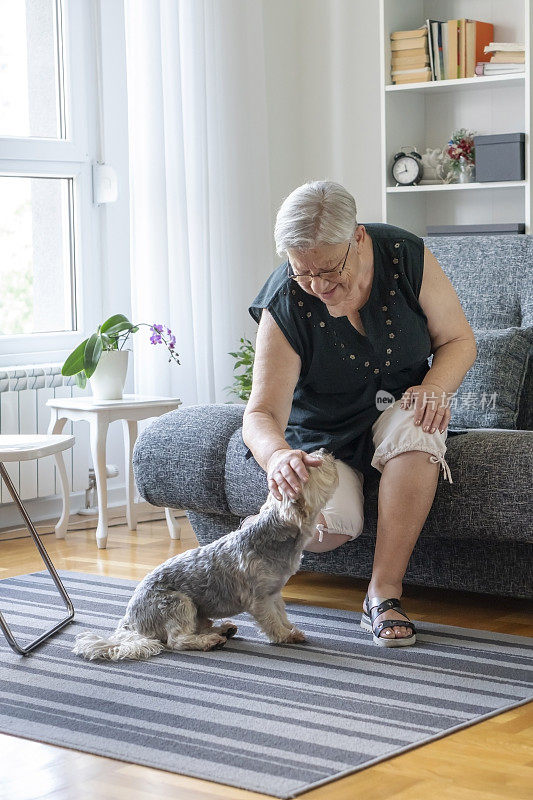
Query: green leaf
[(81, 379), (92, 353), (113, 330), (114, 320), (74, 362), (108, 343)]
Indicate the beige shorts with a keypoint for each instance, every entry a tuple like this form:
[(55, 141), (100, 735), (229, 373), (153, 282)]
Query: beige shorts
[(393, 432)]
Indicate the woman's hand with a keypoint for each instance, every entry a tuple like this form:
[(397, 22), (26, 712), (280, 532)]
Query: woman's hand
[(431, 403), (286, 471)]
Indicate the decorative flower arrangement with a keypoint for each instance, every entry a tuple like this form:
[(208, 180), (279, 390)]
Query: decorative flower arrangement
[(461, 151), (112, 335)]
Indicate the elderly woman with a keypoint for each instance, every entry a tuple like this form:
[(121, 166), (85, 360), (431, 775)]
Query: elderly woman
[(346, 325)]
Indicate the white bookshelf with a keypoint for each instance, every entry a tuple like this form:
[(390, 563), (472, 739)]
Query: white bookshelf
[(426, 114)]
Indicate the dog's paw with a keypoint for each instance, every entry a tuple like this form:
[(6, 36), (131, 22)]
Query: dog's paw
[(296, 635), (228, 629), (214, 642), (289, 637)]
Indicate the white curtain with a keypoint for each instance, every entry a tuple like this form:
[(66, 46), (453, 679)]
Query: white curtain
[(201, 227)]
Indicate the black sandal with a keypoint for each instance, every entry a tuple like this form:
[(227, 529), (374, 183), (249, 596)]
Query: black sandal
[(376, 606)]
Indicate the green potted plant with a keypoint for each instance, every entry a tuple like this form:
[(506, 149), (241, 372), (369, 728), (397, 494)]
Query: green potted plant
[(102, 359), (244, 360)]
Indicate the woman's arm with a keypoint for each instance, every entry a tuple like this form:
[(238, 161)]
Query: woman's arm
[(453, 344), (452, 338), (276, 371)]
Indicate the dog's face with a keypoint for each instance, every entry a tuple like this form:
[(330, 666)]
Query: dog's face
[(314, 494)]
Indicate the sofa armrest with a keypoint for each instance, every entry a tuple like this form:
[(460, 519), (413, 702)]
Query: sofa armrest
[(179, 460)]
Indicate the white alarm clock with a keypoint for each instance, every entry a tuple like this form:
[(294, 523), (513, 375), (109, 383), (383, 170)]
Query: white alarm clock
[(407, 168)]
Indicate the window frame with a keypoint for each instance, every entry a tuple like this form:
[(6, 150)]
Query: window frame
[(73, 158)]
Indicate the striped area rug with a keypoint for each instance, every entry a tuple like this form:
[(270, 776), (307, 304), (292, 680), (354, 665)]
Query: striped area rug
[(274, 719)]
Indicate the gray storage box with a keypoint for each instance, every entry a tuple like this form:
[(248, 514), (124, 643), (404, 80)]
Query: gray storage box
[(500, 157), (493, 228)]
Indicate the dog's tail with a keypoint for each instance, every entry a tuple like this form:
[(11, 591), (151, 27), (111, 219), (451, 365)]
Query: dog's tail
[(123, 643)]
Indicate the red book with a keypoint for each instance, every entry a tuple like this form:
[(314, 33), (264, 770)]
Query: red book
[(478, 35)]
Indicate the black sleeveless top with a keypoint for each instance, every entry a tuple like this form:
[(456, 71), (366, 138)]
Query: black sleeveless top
[(334, 402)]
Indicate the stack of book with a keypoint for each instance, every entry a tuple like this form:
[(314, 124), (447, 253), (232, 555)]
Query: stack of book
[(505, 57), (410, 56), (441, 50)]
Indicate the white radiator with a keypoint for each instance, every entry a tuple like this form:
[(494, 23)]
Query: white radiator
[(24, 391)]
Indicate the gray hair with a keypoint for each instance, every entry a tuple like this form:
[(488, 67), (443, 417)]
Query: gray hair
[(318, 212)]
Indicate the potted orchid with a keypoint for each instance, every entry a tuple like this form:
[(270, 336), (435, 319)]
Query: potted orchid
[(102, 359)]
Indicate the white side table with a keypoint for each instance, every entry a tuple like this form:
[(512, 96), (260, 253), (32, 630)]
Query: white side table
[(99, 413)]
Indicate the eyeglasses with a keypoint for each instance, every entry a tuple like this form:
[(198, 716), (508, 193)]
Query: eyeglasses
[(326, 275)]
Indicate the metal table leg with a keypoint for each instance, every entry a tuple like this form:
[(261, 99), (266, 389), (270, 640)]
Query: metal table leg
[(23, 651)]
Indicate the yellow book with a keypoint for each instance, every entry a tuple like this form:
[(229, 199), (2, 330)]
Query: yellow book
[(406, 79), (452, 70), (404, 55), (409, 44), (505, 57), (406, 63), (461, 45), (418, 32)]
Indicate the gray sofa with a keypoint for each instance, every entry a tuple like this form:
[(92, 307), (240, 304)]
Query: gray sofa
[(479, 534)]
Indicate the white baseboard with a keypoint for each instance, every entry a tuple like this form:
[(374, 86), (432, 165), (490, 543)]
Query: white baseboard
[(45, 511)]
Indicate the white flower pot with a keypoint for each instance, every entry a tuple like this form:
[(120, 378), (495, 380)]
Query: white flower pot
[(108, 379)]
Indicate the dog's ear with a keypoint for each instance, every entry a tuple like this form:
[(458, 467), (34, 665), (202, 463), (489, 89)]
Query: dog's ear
[(318, 453), (323, 480), (292, 512)]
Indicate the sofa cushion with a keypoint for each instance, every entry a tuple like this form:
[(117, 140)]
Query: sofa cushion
[(491, 275), (490, 496), (490, 393)]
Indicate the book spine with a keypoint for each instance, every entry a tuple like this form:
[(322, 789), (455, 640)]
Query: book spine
[(462, 48)]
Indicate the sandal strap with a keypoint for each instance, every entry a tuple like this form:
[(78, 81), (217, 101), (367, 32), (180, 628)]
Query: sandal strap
[(375, 601), (390, 623), (377, 605)]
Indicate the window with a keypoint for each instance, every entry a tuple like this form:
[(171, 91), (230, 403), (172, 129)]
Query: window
[(36, 269), (31, 74), (48, 142)]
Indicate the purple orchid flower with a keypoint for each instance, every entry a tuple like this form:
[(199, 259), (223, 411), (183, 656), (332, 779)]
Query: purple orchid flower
[(158, 337)]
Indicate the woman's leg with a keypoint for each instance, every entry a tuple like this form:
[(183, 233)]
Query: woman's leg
[(342, 518), (406, 493), (330, 541), (322, 541)]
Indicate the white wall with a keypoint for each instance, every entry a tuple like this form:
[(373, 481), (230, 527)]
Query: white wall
[(322, 71)]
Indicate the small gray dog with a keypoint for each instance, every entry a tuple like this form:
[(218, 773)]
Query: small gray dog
[(173, 607)]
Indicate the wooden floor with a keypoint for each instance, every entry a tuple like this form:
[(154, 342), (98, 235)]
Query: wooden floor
[(491, 760)]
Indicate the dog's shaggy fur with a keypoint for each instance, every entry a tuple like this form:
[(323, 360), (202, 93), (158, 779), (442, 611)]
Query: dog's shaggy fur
[(174, 606)]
